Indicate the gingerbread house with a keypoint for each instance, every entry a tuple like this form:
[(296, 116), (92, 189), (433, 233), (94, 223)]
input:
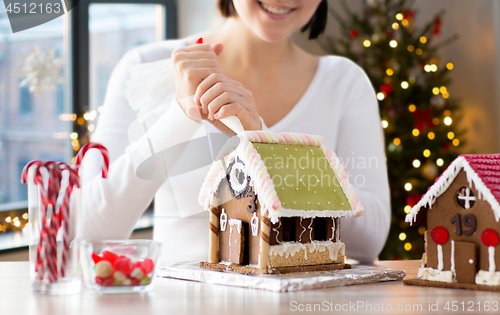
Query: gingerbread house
[(462, 212), (276, 200)]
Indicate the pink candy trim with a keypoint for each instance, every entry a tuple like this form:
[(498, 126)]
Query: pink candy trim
[(311, 142), (261, 137), (276, 203), (287, 138)]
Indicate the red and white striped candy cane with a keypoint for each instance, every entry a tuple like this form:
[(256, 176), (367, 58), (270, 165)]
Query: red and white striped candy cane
[(40, 264), (64, 212), (37, 179), (104, 152), (54, 186)]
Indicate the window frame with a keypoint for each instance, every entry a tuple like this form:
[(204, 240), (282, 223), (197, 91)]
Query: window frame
[(79, 52), (78, 77)]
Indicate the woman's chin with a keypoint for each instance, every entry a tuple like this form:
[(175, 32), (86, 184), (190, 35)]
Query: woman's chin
[(272, 36)]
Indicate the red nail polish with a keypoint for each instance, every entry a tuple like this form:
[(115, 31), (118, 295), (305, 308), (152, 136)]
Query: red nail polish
[(200, 40)]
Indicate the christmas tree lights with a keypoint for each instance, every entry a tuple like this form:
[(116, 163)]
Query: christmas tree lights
[(418, 115)]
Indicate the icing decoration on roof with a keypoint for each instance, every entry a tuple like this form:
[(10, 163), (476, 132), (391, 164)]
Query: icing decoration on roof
[(342, 201), (482, 170)]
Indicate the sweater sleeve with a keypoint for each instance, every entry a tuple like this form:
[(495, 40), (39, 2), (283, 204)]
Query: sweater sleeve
[(112, 206), (360, 146)]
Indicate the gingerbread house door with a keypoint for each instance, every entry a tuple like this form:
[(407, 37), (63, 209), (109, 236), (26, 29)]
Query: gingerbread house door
[(236, 241), (465, 262)]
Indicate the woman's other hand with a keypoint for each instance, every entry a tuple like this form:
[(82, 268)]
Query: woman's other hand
[(221, 97), (192, 65)]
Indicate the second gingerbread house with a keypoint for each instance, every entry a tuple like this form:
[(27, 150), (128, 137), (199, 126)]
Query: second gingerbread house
[(462, 213)]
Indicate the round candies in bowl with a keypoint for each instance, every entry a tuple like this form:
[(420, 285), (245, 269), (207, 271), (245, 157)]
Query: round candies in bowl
[(114, 270)]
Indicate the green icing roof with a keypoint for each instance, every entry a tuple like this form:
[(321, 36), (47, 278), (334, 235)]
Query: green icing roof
[(303, 177)]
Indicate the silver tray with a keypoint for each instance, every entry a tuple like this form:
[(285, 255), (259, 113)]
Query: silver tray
[(359, 274)]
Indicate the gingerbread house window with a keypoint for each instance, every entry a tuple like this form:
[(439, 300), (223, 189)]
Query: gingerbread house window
[(288, 229), (320, 229), (466, 198)]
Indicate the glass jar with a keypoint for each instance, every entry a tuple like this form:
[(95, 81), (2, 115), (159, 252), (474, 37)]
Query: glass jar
[(53, 252)]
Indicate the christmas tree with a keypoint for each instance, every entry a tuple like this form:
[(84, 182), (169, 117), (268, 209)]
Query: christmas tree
[(418, 115)]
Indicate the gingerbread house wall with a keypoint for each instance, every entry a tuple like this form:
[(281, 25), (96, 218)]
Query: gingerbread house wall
[(443, 210), (237, 209)]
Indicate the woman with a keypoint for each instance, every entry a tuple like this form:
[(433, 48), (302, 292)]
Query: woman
[(247, 67)]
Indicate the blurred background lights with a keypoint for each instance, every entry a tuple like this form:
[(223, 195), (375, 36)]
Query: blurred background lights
[(402, 236), (416, 163)]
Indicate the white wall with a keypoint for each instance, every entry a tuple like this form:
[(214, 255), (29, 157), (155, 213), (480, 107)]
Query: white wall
[(195, 16)]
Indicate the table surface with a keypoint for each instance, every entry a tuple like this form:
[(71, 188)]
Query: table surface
[(172, 296)]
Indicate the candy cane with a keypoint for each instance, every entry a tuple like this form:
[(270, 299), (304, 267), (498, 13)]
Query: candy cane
[(54, 186), (37, 178), (46, 259), (64, 211), (104, 152)]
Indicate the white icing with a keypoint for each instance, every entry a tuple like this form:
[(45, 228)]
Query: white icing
[(488, 277), (491, 258), (314, 213), (452, 259), (233, 222), (444, 182), (303, 229), (310, 230), (435, 274), (223, 220), (277, 231), (236, 170), (254, 222), (467, 198), (333, 231), (440, 257), (290, 249)]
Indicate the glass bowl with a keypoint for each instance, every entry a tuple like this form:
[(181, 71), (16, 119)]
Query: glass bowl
[(119, 266)]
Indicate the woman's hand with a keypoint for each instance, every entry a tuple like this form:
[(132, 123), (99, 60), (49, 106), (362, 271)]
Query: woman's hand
[(192, 65), (221, 97)]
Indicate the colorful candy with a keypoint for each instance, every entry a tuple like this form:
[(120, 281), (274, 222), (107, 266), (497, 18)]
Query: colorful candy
[(114, 270)]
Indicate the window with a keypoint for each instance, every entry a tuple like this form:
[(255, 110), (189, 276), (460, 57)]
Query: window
[(60, 108), (104, 30), (46, 134), (25, 101), (320, 228)]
